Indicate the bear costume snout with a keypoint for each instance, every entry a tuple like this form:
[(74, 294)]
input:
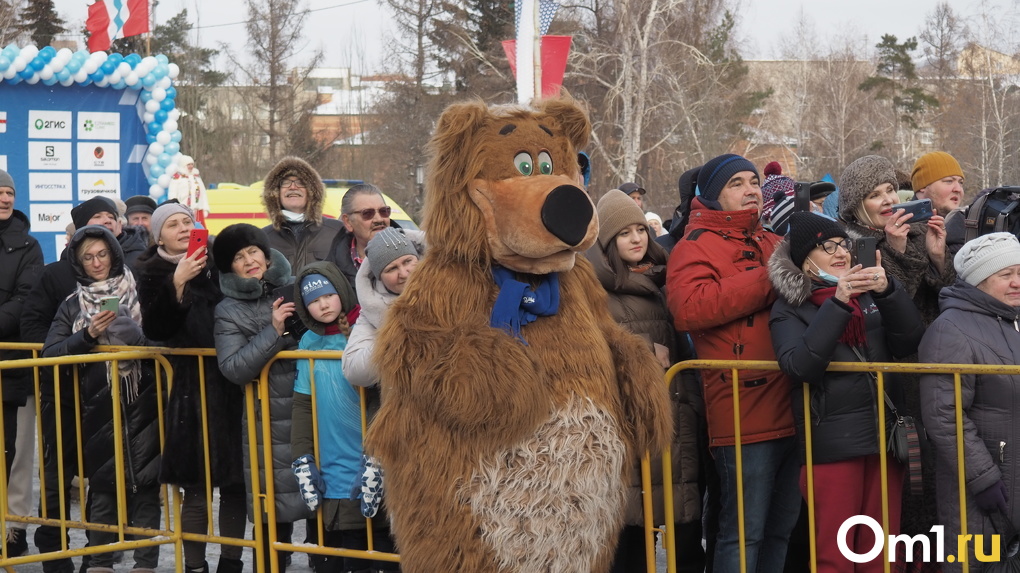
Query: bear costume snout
[(566, 213)]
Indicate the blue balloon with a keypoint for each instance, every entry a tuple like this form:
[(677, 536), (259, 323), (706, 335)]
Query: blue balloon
[(48, 52), (160, 72), (172, 148), (119, 85), (133, 60), (15, 80), (166, 105), (26, 73), (115, 58), (175, 137), (156, 170), (163, 159), (155, 127), (162, 59), (146, 95), (150, 138), (73, 66), (159, 117), (98, 76), (149, 80), (63, 74), (51, 81), (4, 63), (108, 67), (37, 63), (171, 93)]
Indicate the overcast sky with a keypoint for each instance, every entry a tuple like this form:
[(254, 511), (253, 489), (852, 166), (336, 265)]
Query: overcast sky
[(354, 32)]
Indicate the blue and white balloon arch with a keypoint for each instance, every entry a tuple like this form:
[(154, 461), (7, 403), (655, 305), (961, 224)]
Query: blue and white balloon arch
[(152, 76)]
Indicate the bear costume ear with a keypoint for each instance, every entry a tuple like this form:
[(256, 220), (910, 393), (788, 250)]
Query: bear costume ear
[(572, 119)]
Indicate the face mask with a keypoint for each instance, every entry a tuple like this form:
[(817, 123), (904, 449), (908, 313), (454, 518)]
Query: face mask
[(824, 276)]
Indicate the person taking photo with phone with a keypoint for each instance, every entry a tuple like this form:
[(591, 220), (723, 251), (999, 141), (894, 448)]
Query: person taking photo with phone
[(249, 328), (80, 325), (178, 293), (832, 309)]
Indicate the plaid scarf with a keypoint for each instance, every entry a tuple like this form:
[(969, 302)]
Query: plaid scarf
[(89, 297)]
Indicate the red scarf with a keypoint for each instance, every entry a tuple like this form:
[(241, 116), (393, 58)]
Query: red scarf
[(855, 333)]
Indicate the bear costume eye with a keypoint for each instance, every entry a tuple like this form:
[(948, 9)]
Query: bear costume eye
[(545, 163), (524, 163)]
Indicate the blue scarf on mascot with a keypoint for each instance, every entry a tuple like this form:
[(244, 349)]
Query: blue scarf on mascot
[(518, 304)]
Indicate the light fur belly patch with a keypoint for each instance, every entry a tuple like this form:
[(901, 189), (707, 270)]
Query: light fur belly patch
[(552, 503)]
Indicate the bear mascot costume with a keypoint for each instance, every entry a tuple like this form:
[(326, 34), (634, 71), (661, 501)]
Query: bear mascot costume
[(513, 406)]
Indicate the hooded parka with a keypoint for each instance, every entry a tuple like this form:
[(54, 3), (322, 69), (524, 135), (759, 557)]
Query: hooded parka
[(22, 259), (300, 242)]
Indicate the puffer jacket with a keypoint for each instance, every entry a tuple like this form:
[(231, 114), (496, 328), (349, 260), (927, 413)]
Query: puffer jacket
[(141, 422), (245, 342), (640, 307), (22, 260), (717, 289), (974, 328), (375, 302), (844, 405), (300, 242), (185, 324)]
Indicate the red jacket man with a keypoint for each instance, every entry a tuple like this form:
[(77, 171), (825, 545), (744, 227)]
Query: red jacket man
[(718, 290)]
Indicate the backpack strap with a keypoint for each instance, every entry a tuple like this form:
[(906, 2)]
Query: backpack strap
[(971, 225), (1000, 219)]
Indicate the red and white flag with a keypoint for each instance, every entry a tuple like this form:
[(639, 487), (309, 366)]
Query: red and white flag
[(110, 20)]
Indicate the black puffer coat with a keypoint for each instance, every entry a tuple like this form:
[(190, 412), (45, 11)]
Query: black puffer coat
[(639, 306), (21, 259), (187, 324), (974, 328), (245, 342), (844, 405), (140, 416)]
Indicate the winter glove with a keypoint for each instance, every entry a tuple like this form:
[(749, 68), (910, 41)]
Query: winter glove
[(993, 498), (310, 483), (371, 486)]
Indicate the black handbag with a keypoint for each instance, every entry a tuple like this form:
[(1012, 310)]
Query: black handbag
[(1009, 553)]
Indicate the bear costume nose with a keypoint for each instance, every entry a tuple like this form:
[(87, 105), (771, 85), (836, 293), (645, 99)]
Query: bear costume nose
[(566, 214)]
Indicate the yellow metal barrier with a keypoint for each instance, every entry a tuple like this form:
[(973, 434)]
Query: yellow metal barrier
[(257, 396)]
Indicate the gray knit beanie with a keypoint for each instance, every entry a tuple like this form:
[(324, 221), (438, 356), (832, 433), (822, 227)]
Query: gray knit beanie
[(860, 178), (387, 246), (986, 255), (6, 180), (617, 210), (162, 213)]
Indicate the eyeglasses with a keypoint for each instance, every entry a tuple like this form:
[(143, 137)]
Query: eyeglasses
[(101, 255), (295, 183), (369, 214), (829, 246)]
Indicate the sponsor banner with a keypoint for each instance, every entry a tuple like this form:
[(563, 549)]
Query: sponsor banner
[(50, 217), (99, 125), (92, 184), (49, 155), (3, 162), (49, 187), (98, 156), (3, 122), (44, 124)]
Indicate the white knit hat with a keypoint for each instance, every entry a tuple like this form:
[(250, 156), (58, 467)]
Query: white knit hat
[(987, 255)]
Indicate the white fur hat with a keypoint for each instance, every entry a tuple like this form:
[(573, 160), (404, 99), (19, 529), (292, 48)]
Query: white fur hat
[(987, 255)]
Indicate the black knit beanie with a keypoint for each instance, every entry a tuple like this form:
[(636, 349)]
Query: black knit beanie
[(81, 214), (714, 175), (233, 239), (807, 231)]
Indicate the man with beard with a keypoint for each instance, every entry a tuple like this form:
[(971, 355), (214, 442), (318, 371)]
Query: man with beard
[(364, 213), (293, 196)]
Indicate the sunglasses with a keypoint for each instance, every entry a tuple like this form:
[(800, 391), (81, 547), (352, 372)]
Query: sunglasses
[(369, 214)]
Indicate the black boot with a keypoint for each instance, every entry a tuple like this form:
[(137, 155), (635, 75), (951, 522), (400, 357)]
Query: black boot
[(204, 568), (227, 565)]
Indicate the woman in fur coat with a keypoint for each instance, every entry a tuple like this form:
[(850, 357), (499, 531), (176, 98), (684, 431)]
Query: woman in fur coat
[(631, 267), (250, 327), (178, 295), (832, 310)]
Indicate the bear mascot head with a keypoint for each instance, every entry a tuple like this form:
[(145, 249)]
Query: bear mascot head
[(513, 406)]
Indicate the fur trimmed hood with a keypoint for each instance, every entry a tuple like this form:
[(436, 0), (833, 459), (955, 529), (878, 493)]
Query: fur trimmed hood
[(791, 283), (242, 288), (313, 185)]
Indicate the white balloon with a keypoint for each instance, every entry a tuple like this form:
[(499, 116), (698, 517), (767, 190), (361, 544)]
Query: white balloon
[(172, 168), (174, 71), (81, 76), (151, 159), (147, 64), (10, 73), (173, 114), (163, 137), (123, 69), (19, 63), (63, 56), (155, 191), (114, 77), (158, 94), (30, 51), (103, 83), (46, 73), (67, 82), (156, 148), (170, 125), (164, 180), (33, 80), (131, 79), (151, 106), (148, 116), (164, 82), (98, 57), (89, 67)]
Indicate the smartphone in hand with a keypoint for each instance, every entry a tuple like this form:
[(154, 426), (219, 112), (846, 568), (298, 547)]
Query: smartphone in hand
[(111, 303), (921, 209), (864, 252), (802, 197), (199, 238)]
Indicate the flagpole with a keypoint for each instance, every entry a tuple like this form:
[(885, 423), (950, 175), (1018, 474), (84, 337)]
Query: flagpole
[(537, 23), (148, 37)]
